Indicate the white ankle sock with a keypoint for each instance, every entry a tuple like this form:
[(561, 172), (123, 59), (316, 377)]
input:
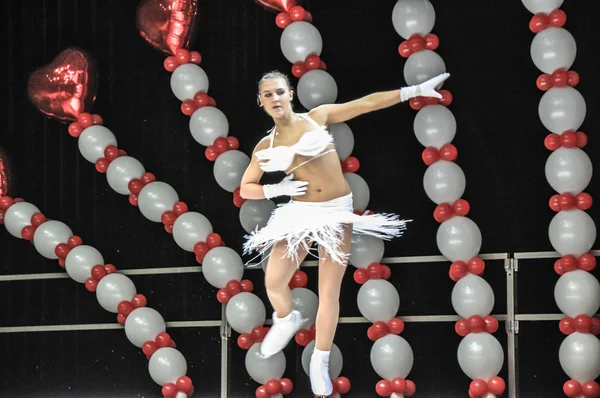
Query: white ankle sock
[(319, 373), (280, 334)]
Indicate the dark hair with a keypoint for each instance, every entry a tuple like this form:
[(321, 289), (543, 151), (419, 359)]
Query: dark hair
[(274, 75)]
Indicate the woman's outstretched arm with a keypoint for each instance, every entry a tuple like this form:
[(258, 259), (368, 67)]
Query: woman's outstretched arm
[(329, 114)]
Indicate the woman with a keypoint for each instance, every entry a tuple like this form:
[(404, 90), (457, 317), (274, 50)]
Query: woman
[(320, 210)]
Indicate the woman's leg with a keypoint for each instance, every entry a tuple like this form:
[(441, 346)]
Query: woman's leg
[(286, 322), (330, 283)]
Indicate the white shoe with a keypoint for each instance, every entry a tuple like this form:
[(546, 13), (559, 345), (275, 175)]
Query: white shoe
[(280, 334), (320, 381)]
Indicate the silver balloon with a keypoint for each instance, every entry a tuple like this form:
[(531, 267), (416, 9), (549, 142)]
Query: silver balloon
[(191, 228), (156, 198), (167, 365), (255, 213), (207, 124), (222, 264), (365, 250), (561, 109), (187, 80), (391, 357), (245, 311), (360, 191), (80, 261), (262, 369), (343, 138), (577, 292), (572, 232), (553, 49), (579, 356), (472, 295), (307, 302), (317, 87), (122, 170), (545, 6), (411, 17), (299, 40), (49, 235), (459, 239), (336, 359), (18, 216), (114, 288), (94, 140), (569, 170), (422, 66), (143, 324), (444, 182), (378, 300), (480, 356), (434, 126), (229, 169)]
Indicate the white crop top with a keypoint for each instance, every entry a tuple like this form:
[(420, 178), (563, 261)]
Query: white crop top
[(312, 143)]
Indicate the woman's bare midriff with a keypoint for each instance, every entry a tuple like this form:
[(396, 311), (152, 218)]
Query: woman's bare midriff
[(324, 176)]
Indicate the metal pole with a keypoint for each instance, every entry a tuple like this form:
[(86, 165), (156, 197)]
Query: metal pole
[(225, 334), (512, 324)]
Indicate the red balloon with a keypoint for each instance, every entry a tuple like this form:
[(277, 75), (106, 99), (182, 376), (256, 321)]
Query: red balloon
[(167, 25), (446, 97), (583, 323), (557, 18), (361, 276), (276, 5), (586, 262), (538, 22), (553, 203), (384, 388), (431, 41), (303, 337), (581, 139), (544, 82), (568, 263), (573, 78), (461, 327), (458, 270), (386, 272), (351, 164), (6, 174), (273, 386), (184, 384), (560, 78), (595, 326), (233, 287), (404, 49), (297, 13), (568, 139), (476, 323), (496, 385), (395, 326), (416, 43), (286, 386), (283, 19), (491, 324), (479, 387), (584, 201), (343, 385), (259, 333), (66, 87), (411, 388), (245, 341), (375, 271), (261, 392), (572, 388), (567, 325), (399, 385), (461, 207), (476, 266), (552, 142), (430, 155), (448, 152), (417, 103), (169, 390), (442, 212), (300, 279)]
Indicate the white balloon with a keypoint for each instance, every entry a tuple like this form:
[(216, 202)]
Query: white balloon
[(434, 125), (572, 232), (262, 369), (411, 17), (167, 365), (378, 300), (472, 295), (18, 216), (343, 138), (222, 264), (94, 140), (49, 235), (122, 170), (316, 87), (577, 292), (187, 80), (569, 170), (229, 169), (254, 214), (245, 311), (299, 40), (191, 228), (360, 191), (336, 359), (561, 109), (207, 124), (307, 303), (553, 49), (422, 66), (143, 324), (459, 239), (80, 261), (545, 6), (579, 356), (391, 357), (365, 249), (480, 356), (112, 289), (444, 182), (156, 198)]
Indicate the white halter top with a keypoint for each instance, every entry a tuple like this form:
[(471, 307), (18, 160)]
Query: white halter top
[(312, 143)]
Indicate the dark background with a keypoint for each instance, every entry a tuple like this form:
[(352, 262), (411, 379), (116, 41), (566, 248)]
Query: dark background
[(485, 46)]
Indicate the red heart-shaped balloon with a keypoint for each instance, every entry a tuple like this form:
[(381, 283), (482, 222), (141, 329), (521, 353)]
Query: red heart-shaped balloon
[(167, 25), (6, 175), (66, 87), (277, 5)]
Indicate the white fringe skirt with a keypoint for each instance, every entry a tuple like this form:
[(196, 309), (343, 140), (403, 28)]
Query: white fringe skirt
[(300, 224)]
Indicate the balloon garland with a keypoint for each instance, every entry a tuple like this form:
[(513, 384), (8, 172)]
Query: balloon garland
[(391, 355), (568, 170), (480, 355)]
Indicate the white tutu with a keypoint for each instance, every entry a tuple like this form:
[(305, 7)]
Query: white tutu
[(301, 224)]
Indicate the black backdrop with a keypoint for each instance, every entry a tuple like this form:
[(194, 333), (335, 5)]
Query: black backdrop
[(485, 46)]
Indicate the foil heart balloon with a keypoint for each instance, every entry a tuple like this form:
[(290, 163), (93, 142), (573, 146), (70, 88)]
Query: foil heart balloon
[(277, 5), (167, 25), (66, 87), (6, 175)]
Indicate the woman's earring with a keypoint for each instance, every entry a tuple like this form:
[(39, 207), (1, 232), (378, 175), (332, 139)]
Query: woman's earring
[(258, 102)]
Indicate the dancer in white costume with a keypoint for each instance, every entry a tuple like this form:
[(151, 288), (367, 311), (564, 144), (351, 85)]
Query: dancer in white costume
[(320, 210)]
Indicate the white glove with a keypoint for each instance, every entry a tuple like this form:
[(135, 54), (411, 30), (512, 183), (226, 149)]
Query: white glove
[(287, 187), (278, 158), (425, 89)]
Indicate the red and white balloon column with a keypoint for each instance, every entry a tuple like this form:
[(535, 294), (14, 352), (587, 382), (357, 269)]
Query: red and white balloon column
[(568, 170), (378, 300), (459, 239)]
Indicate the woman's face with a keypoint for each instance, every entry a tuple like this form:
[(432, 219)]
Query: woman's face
[(276, 98)]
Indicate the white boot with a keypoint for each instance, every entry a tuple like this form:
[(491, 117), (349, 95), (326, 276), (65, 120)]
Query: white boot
[(320, 381), (280, 334)]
